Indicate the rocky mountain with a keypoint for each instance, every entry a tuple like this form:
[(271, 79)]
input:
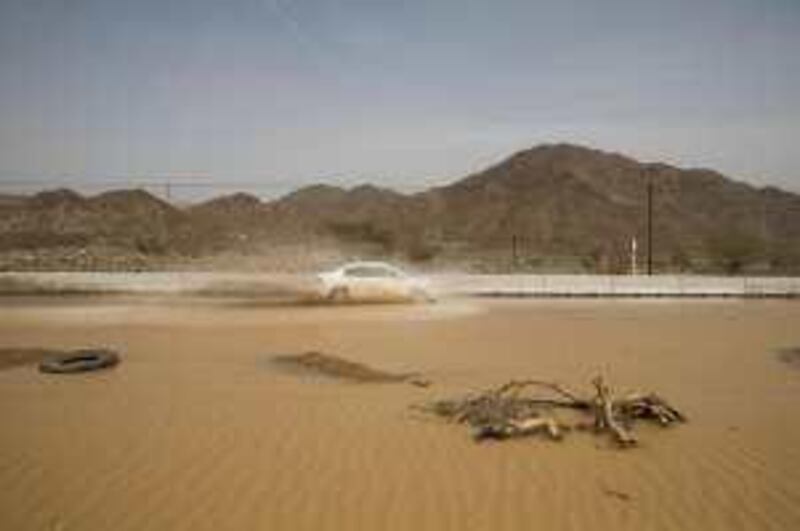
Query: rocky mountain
[(566, 199), (123, 218), (552, 207), (224, 223)]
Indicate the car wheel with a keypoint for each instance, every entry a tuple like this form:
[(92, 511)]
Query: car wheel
[(339, 294), (422, 295)]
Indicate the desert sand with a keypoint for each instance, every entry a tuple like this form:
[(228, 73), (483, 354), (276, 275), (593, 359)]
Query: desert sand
[(197, 429)]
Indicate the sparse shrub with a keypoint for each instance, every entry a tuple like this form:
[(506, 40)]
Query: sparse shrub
[(680, 260), (150, 245), (784, 258), (422, 251), (363, 232), (733, 250)]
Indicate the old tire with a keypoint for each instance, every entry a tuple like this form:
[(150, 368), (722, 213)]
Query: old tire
[(81, 360)]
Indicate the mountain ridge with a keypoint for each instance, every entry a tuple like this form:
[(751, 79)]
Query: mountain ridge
[(551, 200)]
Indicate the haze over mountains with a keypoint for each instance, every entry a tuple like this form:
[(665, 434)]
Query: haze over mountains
[(551, 208)]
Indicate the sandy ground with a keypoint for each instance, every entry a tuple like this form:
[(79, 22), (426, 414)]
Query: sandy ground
[(196, 429)]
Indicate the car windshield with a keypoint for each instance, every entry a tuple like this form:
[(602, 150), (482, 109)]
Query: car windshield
[(371, 272)]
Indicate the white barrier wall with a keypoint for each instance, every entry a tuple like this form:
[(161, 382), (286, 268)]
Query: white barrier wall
[(620, 286), (150, 283), (478, 285)]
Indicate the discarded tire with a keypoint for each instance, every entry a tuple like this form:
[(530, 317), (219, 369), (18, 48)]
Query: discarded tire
[(81, 360)]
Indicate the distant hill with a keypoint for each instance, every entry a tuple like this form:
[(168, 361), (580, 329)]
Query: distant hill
[(552, 207), (565, 199)]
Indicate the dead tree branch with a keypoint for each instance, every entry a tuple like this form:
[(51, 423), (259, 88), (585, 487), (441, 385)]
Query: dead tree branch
[(516, 409)]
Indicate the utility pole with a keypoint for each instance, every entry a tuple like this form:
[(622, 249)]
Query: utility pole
[(649, 223), (514, 250)]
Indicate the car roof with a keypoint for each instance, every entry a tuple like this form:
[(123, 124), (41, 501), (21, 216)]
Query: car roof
[(384, 265)]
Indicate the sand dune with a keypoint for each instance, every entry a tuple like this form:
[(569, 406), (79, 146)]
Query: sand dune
[(197, 430)]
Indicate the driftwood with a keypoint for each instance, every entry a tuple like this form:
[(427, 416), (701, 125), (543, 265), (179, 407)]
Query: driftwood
[(518, 408), (605, 416), (650, 406)]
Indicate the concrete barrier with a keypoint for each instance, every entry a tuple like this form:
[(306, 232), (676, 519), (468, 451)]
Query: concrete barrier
[(619, 286), (166, 283), (269, 284)]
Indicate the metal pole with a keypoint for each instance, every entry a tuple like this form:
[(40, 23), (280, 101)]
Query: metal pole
[(514, 250), (649, 224)]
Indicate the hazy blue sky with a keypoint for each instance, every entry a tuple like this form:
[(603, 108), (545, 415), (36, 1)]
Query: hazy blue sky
[(400, 93)]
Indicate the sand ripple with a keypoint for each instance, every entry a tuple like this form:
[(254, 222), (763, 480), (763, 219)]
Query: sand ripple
[(195, 431)]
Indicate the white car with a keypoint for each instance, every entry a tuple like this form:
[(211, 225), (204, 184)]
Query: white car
[(372, 281)]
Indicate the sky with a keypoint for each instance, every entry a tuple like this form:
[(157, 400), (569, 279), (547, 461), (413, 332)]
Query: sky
[(270, 95)]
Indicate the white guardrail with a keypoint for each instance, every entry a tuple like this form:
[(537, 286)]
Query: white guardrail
[(269, 284), (165, 283), (621, 286)]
